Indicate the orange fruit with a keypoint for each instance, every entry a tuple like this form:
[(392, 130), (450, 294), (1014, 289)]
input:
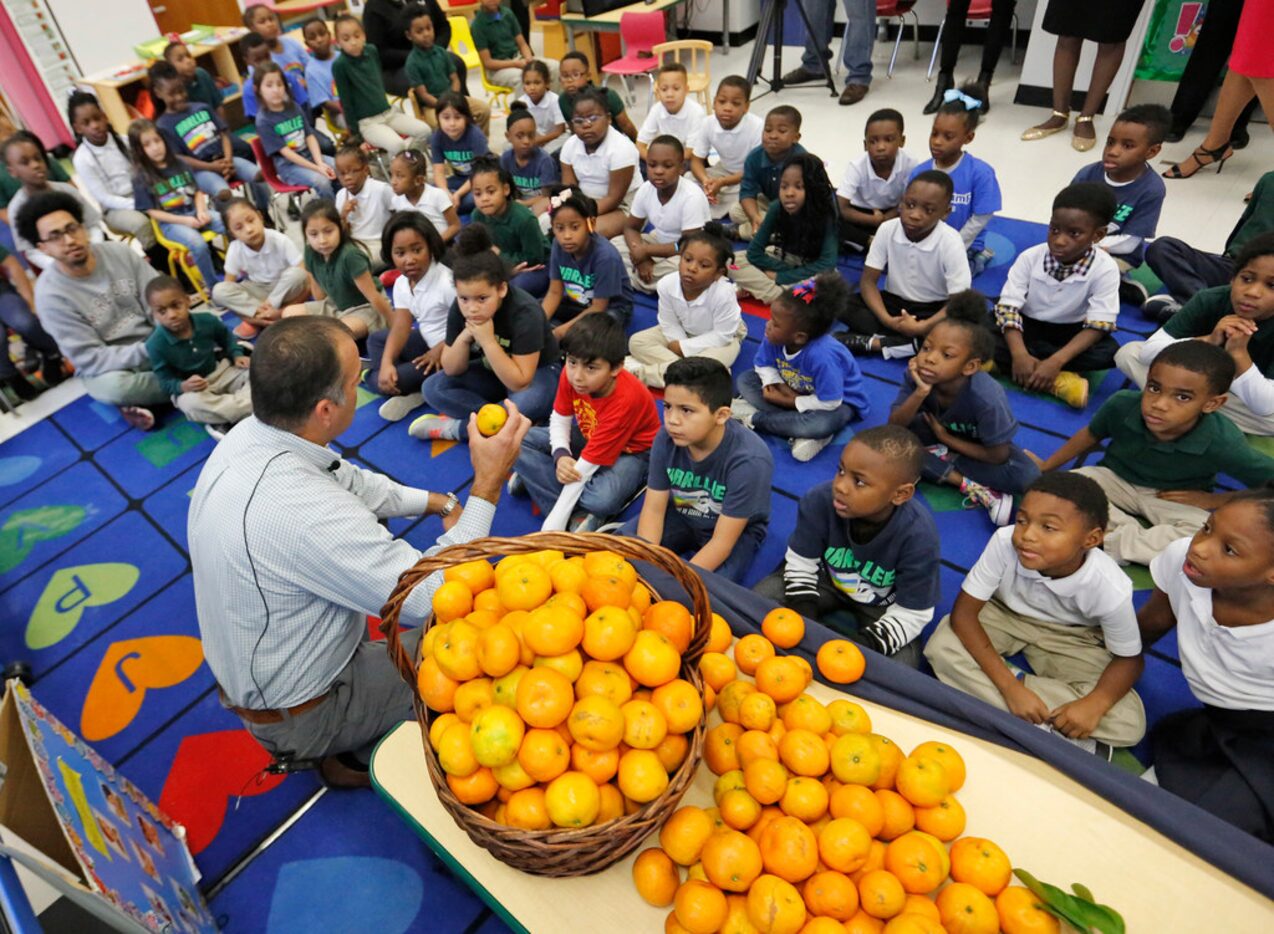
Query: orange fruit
[(840, 661), (1022, 913), (881, 894), (831, 894), (672, 925), (732, 860), (775, 906), (455, 751), (844, 845), (572, 800), (505, 690), (719, 636), (640, 599), (720, 748), (436, 689), (476, 788), (526, 810), (966, 910), (922, 781), (673, 751), (673, 620), (642, 777), (656, 877), (700, 907), (900, 816), (784, 627), (739, 809), (823, 926), (890, 758), (765, 780), (653, 659), (921, 905), (568, 601), (730, 700), (779, 676), (951, 761), (496, 734), (858, 803), (544, 697), (875, 860), (476, 575), (913, 922), (482, 619), (608, 633), (863, 923), (751, 650), (754, 744), (567, 577), (596, 723), (805, 667), (438, 726), (499, 650), (491, 418), (609, 564), (730, 780), (684, 834), (854, 760), (488, 601), (613, 803), (472, 696), (514, 621), (644, 724), (848, 717), (916, 862), (552, 631), (736, 919), (524, 587), (680, 703), (805, 713), (604, 679), (717, 669), (804, 753), (512, 777), (804, 799), (606, 591), (599, 766), (945, 820), (544, 755), (452, 601), (456, 649), (757, 711), (981, 863), (789, 849)]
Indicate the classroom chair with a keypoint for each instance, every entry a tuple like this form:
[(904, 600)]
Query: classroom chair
[(547, 20), (899, 10), (698, 62), (270, 173), (979, 10), (462, 44), (179, 258), (640, 33)]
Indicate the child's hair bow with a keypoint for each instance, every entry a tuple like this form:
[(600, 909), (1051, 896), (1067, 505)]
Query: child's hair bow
[(955, 94), (806, 291)]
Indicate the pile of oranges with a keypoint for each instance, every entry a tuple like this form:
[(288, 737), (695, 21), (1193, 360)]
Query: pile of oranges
[(556, 684), (821, 826)]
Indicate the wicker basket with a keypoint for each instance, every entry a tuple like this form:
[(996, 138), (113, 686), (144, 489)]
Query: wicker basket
[(556, 852)]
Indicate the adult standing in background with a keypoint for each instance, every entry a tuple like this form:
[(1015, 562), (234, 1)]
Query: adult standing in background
[(860, 37), (1207, 59), (997, 31), (385, 23)]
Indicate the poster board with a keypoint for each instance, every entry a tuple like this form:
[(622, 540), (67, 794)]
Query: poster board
[(70, 804)]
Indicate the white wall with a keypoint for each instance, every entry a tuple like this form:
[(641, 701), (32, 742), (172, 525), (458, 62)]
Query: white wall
[(102, 33)]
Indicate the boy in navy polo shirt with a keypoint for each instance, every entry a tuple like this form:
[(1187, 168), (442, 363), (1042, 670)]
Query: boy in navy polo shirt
[(762, 168), (864, 557), (708, 491)]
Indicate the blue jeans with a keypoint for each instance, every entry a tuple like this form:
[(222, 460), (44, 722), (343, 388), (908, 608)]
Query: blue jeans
[(212, 183), (770, 419), (605, 492), (683, 538), (458, 396), (1013, 476), (466, 203), (320, 184), (16, 315), (534, 282), (860, 36), (410, 379), (193, 241)]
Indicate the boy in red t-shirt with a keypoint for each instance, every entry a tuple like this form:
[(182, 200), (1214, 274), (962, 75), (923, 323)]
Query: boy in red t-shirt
[(593, 457)]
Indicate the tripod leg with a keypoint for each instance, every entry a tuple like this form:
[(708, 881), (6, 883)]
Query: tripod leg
[(762, 36)]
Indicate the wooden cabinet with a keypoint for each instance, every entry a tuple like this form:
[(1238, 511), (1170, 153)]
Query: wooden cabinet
[(180, 15)]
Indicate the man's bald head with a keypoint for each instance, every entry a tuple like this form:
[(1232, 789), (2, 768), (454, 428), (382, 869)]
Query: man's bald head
[(297, 363)]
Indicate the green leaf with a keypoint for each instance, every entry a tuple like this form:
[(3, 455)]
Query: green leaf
[(1082, 891), (1081, 912)]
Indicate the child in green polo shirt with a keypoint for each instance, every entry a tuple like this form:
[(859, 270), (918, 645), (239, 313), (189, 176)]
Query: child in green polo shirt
[(577, 74), (431, 70), (502, 47), (1167, 445), (514, 230), (361, 87)]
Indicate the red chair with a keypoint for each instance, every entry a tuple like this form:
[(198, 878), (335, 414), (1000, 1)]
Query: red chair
[(271, 176), (640, 33), (900, 10), (980, 11)]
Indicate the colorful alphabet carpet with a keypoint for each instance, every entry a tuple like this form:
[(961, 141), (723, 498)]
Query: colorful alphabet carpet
[(95, 591)]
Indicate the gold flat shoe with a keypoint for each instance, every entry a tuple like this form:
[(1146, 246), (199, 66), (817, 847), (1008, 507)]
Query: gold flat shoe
[(1083, 143), (1039, 132)]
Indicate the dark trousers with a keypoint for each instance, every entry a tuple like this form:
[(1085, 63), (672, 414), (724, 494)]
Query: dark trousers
[(1013, 476), (1207, 60), (16, 315), (1185, 270), (861, 320), (858, 234), (1045, 338), (997, 31), (410, 379), (686, 540)]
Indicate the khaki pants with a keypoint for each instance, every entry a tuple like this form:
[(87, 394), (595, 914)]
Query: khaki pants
[(740, 219), (727, 198), (133, 224), (755, 281), (1128, 359), (243, 297), (1127, 540), (386, 131), (664, 265), (326, 308), (1067, 661), (227, 400), (512, 77), (650, 357), (481, 115), (373, 254)]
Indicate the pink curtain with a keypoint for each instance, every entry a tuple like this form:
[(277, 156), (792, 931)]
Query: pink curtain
[(25, 89)]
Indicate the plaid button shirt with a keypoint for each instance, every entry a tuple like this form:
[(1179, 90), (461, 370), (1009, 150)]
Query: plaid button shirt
[(1009, 316)]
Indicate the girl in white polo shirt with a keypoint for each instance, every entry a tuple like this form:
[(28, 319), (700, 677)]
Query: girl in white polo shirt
[(600, 161), (1217, 589)]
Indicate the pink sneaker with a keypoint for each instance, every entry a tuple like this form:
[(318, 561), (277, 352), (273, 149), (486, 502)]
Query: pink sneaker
[(999, 506)]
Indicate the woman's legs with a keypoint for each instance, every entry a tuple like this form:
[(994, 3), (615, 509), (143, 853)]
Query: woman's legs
[(1065, 61), (953, 35), (997, 31), (1236, 93), (1109, 57)]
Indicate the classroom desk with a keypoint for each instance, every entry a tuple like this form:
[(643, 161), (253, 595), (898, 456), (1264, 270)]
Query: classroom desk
[(609, 21), (290, 9)]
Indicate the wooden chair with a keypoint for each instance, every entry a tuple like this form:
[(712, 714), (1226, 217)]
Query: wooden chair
[(696, 51)]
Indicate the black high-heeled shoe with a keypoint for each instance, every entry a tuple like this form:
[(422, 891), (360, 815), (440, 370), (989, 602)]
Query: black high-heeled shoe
[(984, 92), (944, 83), (1215, 157)]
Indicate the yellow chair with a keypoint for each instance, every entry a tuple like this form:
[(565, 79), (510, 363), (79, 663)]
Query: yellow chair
[(179, 258), (462, 44), (695, 49)]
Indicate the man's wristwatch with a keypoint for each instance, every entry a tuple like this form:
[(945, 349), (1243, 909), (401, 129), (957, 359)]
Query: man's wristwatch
[(449, 506)]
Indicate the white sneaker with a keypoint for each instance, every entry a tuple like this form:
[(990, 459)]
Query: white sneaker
[(216, 432), (999, 506), (515, 486), (806, 449), (742, 410), (635, 367), (396, 408)]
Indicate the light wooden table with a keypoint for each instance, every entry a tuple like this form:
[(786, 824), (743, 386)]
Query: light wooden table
[(1048, 824)]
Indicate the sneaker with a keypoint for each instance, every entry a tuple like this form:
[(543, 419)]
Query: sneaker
[(1160, 308), (435, 428), (939, 450), (217, 432), (635, 367), (1132, 292), (980, 261), (140, 418), (743, 411), (731, 232), (1071, 388), (584, 522), (859, 344), (610, 528), (396, 408), (247, 330), (515, 486), (999, 506), (806, 449)]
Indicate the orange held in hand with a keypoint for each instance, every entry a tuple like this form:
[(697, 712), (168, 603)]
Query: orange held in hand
[(491, 418)]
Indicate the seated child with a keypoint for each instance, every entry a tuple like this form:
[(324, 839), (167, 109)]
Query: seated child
[(576, 77), (499, 346), (601, 162), (864, 557), (320, 84), (1058, 308), (431, 71), (360, 86), (363, 201), (962, 414), (196, 359), (26, 161), (165, 191), (104, 165), (514, 230), (340, 271), (288, 137), (976, 191), (1134, 140), (263, 270), (200, 86), (408, 173), (804, 386), (586, 272), (593, 457), (498, 39), (926, 263), (708, 490), (454, 146), (532, 169), (287, 53), (1167, 445), (1239, 318), (1217, 590), (731, 132), (543, 105), (402, 356), (17, 298), (671, 114), (672, 208), (874, 182), (699, 313), (797, 239), (1045, 588), (255, 52), (762, 169)]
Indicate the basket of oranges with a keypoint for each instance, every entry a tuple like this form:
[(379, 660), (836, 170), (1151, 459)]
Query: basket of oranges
[(560, 700)]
